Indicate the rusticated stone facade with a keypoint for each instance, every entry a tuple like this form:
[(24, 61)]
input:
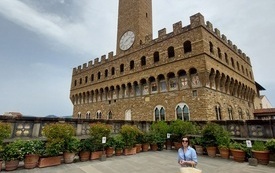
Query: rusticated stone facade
[(192, 73)]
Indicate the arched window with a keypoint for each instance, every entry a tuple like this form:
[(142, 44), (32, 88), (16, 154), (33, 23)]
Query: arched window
[(86, 79), (187, 46), (79, 115), (240, 112), (80, 81), (110, 115), (121, 68), (156, 57), (143, 61), (182, 112), (159, 113), (113, 70), (218, 112), (230, 113), (75, 82), (92, 77), (232, 62), (98, 75), (106, 73), (226, 58), (171, 52), (88, 115), (219, 53), (211, 47), (98, 115), (132, 65)]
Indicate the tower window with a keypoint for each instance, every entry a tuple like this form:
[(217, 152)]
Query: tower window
[(211, 47), (113, 70), (121, 68), (143, 61), (132, 65), (98, 75), (187, 46), (156, 57), (171, 52)]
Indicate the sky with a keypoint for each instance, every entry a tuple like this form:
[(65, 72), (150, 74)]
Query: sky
[(41, 41)]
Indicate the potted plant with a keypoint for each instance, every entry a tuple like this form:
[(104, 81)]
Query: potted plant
[(210, 135), (119, 144), (145, 141), (161, 128), (56, 134), (32, 150), (270, 144), (129, 134), (97, 132), (198, 145), (179, 129), (138, 144), (12, 154), (238, 151), (260, 152), (71, 147), (85, 149), (110, 146), (5, 131), (154, 140), (223, 140)]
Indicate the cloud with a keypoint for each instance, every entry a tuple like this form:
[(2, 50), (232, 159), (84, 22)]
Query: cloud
[(58, 29)]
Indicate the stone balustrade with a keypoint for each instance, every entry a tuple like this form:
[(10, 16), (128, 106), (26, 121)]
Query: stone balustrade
[(31, 127)]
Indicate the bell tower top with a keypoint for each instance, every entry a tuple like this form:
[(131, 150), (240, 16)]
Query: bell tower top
[(134, 23)]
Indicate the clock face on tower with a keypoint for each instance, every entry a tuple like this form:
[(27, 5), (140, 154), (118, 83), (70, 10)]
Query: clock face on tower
[(127, 40)]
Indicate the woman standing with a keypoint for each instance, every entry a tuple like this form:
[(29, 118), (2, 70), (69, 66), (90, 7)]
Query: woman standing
[(187, 156)]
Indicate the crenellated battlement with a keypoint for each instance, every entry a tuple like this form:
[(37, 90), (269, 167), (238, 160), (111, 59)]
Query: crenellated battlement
[(94, 63), (222, 37), (196, 20)]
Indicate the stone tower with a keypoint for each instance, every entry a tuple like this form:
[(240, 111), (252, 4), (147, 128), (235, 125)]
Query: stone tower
[(134, 23)]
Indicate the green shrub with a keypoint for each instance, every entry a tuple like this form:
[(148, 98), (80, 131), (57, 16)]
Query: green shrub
[(210, 134), (259, 146), (13, 151), (33, 147), (270, 144), (181, 128)]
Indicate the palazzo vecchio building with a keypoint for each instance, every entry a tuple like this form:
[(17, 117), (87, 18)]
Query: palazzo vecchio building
[(191, 73)]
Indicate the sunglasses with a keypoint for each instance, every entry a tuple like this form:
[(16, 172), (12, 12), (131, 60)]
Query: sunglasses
[(184, 141)]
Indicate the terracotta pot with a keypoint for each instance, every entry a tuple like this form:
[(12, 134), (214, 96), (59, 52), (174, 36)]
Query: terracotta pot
[(118, 152), (154, 147), (145, 147), (49, 161), (211, 151), (168, 145), (109, 151), (238, 155), (96, 155), (138, 146), (84, 155), (130, 151), (224, 153), (11, 165), (68, 157), (31, 161), (177, 145), (261, 156), (199, 149)]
